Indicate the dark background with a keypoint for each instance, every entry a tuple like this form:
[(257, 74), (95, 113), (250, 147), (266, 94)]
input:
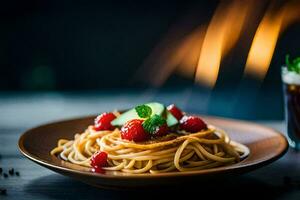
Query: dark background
[(99, 46)]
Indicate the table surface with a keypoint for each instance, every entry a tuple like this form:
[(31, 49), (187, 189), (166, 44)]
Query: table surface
[(279, 180)]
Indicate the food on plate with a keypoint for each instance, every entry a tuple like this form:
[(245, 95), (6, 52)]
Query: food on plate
[(150, 138)]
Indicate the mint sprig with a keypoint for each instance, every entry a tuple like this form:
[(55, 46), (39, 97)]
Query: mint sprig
[(293, 65), (151, 124), (143, 111)]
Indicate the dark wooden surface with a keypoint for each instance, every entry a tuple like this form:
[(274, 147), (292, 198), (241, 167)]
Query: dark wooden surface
[(279, 180)]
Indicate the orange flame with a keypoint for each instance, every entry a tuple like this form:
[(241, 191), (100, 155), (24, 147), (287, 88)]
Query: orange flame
[(187, 63), (174, 54), (222, 34), (199, 53), (266, 36)]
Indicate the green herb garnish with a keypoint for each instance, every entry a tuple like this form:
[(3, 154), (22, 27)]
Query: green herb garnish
[(151, 124), (293, 66), (143, 111)]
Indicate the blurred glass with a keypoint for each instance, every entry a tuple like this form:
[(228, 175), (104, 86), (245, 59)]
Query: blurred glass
[(291, 91)]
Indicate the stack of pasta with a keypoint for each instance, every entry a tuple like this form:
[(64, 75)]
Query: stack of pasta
[(185, 151)]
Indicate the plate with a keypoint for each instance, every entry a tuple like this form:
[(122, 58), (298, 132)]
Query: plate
[(266, 145)]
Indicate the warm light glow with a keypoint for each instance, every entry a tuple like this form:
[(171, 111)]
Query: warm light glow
[(265, 39), (199, 53), (192, 45), (169, 56), (222, 34), (183, 58), (263, 46)]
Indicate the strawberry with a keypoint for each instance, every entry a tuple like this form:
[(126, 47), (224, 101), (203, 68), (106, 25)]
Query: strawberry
[(161, 131), (103, 122), (133, 130), (99, 160), (176, 112), (192, 124)]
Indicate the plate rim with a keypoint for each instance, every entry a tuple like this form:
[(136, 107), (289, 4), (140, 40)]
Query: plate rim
[(223, 169)]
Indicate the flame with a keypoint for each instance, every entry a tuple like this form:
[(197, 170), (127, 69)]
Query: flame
[(222, 34), (173, 54), (266, 37), (181, 58), (199, 53), (189, 58)]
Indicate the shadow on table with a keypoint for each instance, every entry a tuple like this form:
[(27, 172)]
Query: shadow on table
[(60, 187)]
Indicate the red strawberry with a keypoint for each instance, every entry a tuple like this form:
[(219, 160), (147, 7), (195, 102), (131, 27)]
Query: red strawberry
[(103, 122), (98, 161), (133, 130), (192, 124), (161, 131), (176, 112)]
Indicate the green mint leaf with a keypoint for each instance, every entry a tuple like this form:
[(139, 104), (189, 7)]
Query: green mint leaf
[(296, 63), (293, 66), (143, 111), (151, 124), (287, 62)]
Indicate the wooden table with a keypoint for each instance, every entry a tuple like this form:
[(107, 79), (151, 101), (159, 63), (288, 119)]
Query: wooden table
[(279, 180)]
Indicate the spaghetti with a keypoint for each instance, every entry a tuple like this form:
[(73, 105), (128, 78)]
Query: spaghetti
[(205, 149)]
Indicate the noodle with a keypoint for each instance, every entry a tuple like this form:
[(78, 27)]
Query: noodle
[(186, 152)]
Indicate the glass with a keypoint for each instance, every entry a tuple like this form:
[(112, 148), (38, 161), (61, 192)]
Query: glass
[(291, 92)]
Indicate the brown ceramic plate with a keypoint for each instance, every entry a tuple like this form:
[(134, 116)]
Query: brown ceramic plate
[(265, 144)]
